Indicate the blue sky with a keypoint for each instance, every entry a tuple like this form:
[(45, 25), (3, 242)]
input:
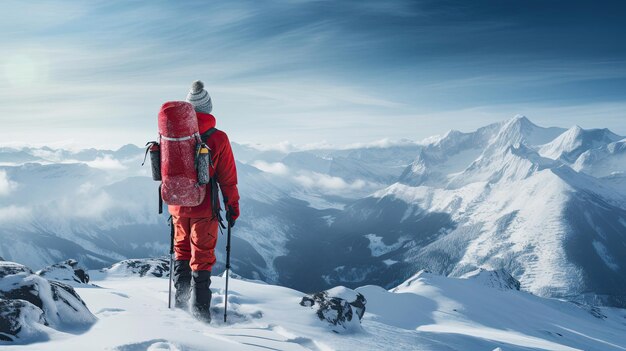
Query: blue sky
[(95, 73)]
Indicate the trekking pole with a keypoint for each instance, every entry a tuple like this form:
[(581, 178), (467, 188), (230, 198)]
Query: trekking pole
[(169, 296), (227, 270)]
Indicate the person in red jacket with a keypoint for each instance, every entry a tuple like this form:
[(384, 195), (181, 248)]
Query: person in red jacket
[(196, 228)]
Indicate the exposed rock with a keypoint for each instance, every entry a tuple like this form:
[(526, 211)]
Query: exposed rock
[(339, 306), (29, 299), (67, 271), (157, 267), (19, 320), (9, 268), (499, 279)]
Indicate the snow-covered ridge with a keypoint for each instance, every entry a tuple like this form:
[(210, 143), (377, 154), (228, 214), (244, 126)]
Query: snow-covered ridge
[(569, 145)]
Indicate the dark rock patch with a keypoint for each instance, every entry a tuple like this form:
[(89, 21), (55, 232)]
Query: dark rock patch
[(156, 267), (340, 307), (9, 268), (69, 271), (17, 318)]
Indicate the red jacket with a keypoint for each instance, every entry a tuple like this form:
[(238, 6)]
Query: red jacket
[(224, 170)]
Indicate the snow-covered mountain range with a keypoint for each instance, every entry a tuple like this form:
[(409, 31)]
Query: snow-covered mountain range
[(548, 205)]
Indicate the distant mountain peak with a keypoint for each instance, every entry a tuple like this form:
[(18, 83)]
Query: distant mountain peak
[(576, 140), (519, 123), (520, 129), (128, 147), (521, 119), (452, 132)]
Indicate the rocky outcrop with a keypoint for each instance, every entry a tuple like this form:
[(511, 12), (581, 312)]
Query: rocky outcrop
[(155, 267), (67, 271), (19, 320), (340, 307), (28, 301), (11, 268)]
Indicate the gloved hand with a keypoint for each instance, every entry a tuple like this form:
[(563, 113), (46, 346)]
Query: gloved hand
[(232, 214)]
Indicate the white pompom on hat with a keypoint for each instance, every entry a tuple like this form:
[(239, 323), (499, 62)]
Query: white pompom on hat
[(200, 98)]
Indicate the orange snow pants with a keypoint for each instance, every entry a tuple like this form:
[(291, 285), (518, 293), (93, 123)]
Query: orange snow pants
[(195, 240)]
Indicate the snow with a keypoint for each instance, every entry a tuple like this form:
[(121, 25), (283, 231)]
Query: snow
[(499, 279), (317, 202), (378, 248), (343, 293), (521, 130), (329, 220), (466, 307), (575, 141), (427, 312), (389, 262), (61, 309), (603, 161)]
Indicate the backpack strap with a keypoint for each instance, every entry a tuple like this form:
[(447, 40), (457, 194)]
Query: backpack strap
[(215, 200), (205, 136)]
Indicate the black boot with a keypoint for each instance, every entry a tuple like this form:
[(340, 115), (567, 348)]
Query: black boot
[(201, 295), (182, 282)]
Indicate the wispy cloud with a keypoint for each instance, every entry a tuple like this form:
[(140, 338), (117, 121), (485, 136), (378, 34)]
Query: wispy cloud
[(107, 162), (326, 183), (278, 168), (315, 181)]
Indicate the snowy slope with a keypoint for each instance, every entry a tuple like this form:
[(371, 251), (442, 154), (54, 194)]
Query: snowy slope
[(427, 312), (607, 163)]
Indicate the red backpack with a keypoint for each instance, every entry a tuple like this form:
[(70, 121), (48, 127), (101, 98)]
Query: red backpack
[(180, 158)]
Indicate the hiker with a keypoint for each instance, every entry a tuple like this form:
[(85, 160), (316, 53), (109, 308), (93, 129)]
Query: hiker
[(196, 228)]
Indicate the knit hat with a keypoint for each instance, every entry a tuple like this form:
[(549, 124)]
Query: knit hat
[(199, 98)]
